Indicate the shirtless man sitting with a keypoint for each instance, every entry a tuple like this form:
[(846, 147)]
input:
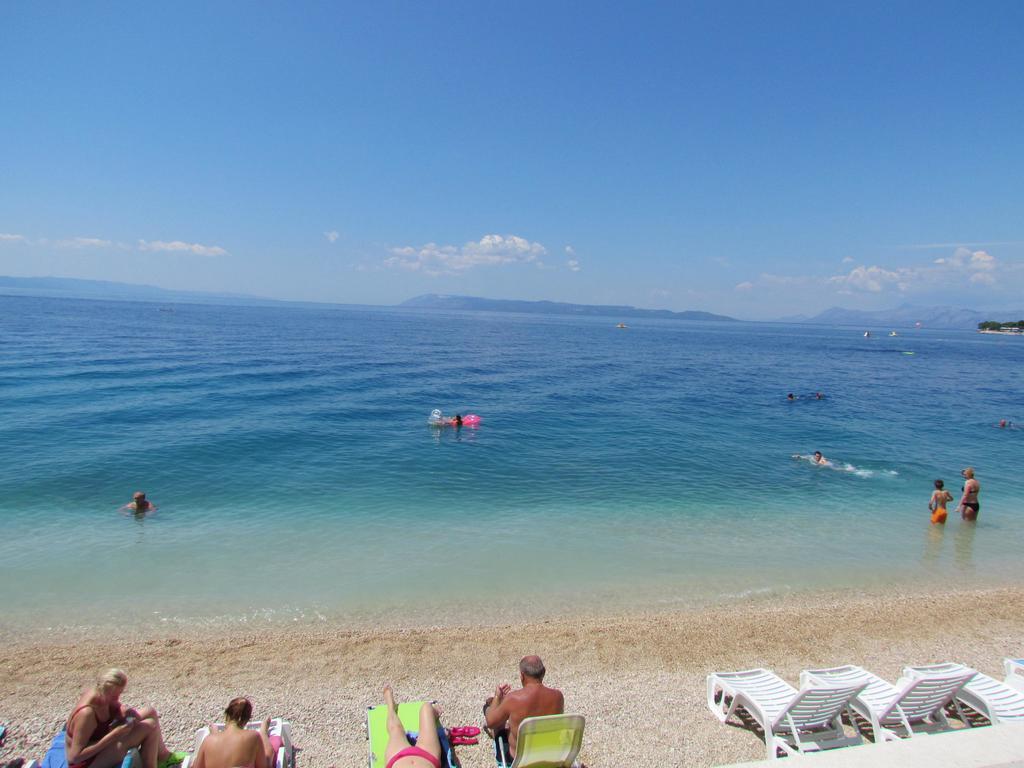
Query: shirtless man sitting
[(507, 708)]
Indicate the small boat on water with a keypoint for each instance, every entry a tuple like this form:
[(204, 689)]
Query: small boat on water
[(622, 325), (893, 333), (867, 334)]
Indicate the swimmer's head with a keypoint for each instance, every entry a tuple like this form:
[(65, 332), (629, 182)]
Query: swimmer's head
[(817, 454), (968, 473), (939, 485), (139, 497), (1002, 422), (790, 396)]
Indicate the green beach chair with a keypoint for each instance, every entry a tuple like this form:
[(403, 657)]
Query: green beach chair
[(409, 714), (551, 741)]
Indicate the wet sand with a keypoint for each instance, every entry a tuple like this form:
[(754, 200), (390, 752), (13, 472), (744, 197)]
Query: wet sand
[(638, 679)]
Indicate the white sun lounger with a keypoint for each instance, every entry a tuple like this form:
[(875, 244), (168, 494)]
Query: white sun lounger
[(911, 703), (285, 757), (794, 721), (996, 700), (1014, 673)]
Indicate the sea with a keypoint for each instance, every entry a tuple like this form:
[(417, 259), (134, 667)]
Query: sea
[(658, 466)]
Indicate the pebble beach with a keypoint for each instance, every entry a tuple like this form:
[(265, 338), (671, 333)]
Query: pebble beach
[(639, 679)]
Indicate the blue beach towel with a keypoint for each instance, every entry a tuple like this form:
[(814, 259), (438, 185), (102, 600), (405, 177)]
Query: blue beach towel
[(57, 758)]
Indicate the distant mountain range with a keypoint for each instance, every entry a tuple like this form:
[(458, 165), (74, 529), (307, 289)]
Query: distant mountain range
[(72, 288), (439, 301), (906, 316)]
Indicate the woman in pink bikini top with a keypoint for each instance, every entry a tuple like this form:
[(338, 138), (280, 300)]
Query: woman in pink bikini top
[(400, 753)]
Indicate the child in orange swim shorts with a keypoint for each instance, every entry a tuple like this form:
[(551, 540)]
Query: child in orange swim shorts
[(937, 505)]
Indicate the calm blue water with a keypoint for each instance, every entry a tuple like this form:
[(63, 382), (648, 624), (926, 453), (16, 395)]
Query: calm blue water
[(296, 477)]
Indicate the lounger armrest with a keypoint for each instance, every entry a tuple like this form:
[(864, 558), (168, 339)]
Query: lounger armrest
[(807, 680), (1014, 673)]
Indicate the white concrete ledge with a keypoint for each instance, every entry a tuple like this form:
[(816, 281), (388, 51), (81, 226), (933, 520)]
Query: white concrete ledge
[(986, 747)]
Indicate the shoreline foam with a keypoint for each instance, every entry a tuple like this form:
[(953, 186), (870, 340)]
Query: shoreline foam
[(639, 678)]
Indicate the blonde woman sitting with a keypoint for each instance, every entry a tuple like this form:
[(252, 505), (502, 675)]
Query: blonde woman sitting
[(236, 747), (101, 729)]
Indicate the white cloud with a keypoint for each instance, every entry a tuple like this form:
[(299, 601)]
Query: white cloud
[(570, 251), (179, 246), (573, 265), (746, 285), (491, 250), (848, 259), (332, 236), (872, 279), (83, 242), (976, 267), (8, 238)]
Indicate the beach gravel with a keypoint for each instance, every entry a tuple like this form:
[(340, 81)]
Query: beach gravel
[(639, 679)]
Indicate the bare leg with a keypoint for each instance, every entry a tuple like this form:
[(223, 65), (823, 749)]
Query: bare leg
[(141, 736), (396, 731), (150, 714), (428, 740)]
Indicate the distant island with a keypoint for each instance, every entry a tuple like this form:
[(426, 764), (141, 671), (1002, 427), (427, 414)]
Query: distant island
[(994, 326), (904, 316), (440, 301), (107, 290)]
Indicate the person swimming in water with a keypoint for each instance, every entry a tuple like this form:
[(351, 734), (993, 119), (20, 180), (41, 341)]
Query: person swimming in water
[(139, 505), (791, 397), (817, 458), (438, 420)]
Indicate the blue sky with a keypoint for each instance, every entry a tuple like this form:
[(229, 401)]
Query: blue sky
[(757, 159)]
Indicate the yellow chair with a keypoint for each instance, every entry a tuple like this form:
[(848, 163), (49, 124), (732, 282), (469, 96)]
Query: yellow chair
[(552, 741)]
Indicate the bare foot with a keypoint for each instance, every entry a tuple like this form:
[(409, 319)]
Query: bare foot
[(389, 697)]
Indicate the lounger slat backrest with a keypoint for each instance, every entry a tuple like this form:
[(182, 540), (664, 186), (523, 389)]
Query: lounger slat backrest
[(925, 695), (994, 699), (817, 707), (551, 741), (1003, 702)]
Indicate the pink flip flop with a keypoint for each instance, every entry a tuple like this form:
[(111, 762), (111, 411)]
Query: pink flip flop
[(465, 730), (462, 741)]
